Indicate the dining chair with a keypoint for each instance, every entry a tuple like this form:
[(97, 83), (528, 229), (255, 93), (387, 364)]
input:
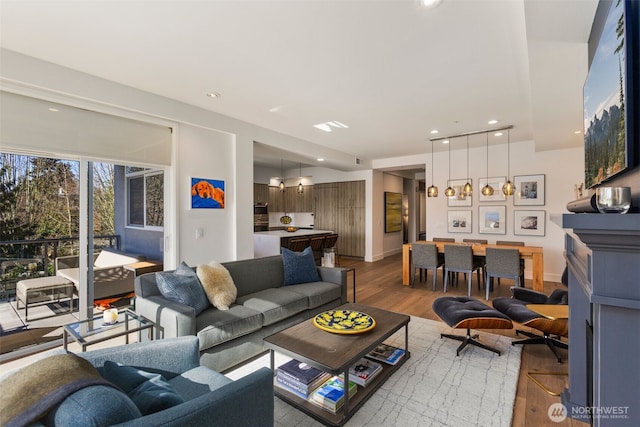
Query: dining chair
[(444, 239), (502, 263), (459, 259), (513, 243), (478, 260), (425, 257)]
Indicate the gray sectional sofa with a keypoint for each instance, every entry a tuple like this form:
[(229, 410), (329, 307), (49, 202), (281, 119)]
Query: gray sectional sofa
[(263, 306)]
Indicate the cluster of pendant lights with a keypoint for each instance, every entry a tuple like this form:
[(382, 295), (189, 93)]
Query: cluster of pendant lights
[(508, 189), (281, 187)]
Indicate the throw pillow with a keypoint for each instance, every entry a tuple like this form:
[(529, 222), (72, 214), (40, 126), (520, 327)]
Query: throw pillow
[(299, 267), (93, 406), (149, 391), (183, 286), (217, 284)]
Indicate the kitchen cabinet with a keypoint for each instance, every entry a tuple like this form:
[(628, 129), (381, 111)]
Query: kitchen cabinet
[(260, 194), (340, 206)]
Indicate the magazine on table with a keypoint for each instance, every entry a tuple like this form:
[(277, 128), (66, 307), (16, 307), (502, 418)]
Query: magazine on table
[(300, 389), (364, 371), (300, 371), (330, 395), (386, 353)]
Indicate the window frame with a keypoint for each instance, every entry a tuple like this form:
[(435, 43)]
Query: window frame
[(145, 173)]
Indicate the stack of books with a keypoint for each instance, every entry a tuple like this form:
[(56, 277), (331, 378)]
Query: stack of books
[(300, 378), (364, 371), (386, 353), (330, 395)]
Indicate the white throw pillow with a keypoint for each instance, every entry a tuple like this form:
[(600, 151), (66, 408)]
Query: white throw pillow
[(217, 284)]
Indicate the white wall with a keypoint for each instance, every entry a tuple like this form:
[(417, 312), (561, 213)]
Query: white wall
[(217, 225)]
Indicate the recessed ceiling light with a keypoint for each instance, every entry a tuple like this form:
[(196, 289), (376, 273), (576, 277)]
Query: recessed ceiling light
[(320, 159), (492, 121), (53, 110), (430, 4), (433, 132), (578, 132), (213, 95), (446, 141), (328, 126), (497, 134)]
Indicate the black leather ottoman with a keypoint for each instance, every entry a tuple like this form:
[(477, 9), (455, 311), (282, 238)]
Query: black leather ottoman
[(469, 313)]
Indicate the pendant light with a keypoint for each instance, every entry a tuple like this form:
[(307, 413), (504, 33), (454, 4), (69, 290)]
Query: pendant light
[(300, 189), (450, 191), (467, 190), (432, 191), (281, 185), (487, 190), (508, 189)]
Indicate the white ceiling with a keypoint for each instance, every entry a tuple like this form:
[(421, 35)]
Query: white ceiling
[(391, 70)]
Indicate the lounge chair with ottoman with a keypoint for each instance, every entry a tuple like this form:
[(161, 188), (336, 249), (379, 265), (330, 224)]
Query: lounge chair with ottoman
[(469, 313)]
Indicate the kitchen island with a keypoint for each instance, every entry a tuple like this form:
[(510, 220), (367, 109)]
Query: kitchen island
[(268, 243)]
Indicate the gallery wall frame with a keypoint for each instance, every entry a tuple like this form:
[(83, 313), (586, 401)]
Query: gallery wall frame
[(492, 219), (207, 193), (459, 222), (530, 190), (496, 182), (529, 223), (392, 212), (459, 199)]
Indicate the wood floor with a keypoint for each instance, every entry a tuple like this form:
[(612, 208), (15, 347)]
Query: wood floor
[(379, 284)]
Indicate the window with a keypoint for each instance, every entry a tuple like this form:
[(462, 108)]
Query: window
[(145, 195)]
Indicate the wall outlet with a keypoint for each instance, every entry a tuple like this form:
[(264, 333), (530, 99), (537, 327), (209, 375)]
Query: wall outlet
[(199, 233)]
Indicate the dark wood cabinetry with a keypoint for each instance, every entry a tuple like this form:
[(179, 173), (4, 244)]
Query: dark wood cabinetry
[(338, 206)]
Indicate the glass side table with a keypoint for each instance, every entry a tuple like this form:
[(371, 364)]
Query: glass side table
[(93, 331)]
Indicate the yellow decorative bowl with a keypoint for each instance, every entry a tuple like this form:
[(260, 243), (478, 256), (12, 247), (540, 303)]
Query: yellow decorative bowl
[(344, 321)]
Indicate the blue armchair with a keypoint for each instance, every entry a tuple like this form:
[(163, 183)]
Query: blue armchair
[(210, 398)]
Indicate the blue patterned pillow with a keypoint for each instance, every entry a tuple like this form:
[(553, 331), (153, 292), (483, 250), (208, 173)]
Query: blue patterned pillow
[(183, 286), (299, 267)]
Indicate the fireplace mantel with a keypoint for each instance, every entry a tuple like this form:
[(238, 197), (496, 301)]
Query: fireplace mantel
[(603, 258)]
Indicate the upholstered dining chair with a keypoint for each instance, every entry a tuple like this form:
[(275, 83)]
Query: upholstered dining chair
[(478, 260), (459, 259), (502, 263), (516, 309), (513, 243), (444, 239), (425, 257)]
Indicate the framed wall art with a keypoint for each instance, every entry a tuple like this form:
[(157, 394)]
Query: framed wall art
[(491, 219), (529, 223), (496, 182), (392, 212), (458, 199), (207, 193), (459, 221), (608, 96), (529, 190)]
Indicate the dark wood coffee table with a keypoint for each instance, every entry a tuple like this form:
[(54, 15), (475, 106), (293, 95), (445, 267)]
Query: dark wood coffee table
[(335, 353)]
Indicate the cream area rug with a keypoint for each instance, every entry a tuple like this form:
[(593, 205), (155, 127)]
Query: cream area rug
[(434, 387)]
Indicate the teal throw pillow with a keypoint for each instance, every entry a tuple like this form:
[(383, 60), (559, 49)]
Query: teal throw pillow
[(95, 406), (299, 267), (183, 286), (149, 391)]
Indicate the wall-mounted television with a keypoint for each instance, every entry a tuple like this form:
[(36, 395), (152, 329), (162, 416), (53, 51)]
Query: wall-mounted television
[(610, 98)]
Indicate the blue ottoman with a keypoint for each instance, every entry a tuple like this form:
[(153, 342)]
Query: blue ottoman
[(469, 313)]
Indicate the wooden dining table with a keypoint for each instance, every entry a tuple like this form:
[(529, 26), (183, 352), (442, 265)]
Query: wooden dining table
[(533, 253)]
